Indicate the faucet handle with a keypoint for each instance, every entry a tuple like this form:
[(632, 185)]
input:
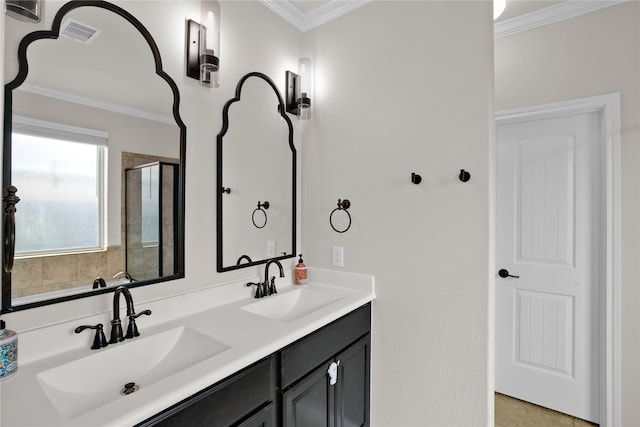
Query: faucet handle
[(272, 286), (116, 331), (259, 293), (100, 340), (132, 329)]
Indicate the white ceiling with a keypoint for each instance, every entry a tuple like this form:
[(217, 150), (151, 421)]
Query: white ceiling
[(308, 14)]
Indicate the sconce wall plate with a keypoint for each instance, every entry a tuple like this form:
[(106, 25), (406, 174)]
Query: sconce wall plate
[(193, 51), (193, 57), (298, 90), (290, 93)]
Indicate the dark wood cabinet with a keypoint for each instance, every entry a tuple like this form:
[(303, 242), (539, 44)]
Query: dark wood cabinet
[(292, 387), (243, 399), (332, 399), (263, 418)]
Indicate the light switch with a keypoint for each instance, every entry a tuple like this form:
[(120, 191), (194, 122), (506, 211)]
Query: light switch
[(337, 256), (271, 248)]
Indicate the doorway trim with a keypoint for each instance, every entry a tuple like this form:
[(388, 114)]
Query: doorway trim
[(608, 106)]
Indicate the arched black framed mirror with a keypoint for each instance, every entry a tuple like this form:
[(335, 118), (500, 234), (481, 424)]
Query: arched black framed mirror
[(105, 102), (256, 177)]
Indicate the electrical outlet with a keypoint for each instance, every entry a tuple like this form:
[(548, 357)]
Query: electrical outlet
[(337, 256), (271, 248)]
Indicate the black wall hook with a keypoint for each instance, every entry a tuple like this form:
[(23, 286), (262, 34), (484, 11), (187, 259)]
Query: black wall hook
[(415, 178), (464, 175)]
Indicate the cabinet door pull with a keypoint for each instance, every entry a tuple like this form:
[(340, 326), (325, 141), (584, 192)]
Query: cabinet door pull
[(333, 372)]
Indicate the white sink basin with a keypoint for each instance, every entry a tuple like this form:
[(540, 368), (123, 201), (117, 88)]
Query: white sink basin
[(85, 384), (291, 305)]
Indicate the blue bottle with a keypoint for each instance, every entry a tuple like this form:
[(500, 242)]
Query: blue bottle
[(8, 352)]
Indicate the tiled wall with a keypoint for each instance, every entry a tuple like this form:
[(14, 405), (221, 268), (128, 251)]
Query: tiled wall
[(31, 276)]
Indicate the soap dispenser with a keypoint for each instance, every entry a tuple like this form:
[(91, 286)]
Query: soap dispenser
[(8, 352), (300, 272)]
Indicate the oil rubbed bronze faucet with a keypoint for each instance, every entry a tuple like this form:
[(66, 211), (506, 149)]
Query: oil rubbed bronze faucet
[(267, 287), (270, 287), (99, 282), (116, 323)]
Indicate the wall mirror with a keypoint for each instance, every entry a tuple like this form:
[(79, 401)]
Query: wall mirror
[(256, 177), (89, 110)]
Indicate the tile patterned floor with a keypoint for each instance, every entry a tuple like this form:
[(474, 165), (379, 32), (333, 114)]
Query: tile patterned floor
[(512, 412)]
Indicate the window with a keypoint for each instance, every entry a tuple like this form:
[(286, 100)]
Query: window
[(59, 173)]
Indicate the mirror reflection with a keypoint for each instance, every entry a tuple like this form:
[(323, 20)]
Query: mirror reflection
[(256, 173), (83, 124), (151, 202)]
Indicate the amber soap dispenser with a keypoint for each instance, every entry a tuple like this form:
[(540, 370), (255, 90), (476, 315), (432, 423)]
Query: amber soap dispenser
[(300, 272)]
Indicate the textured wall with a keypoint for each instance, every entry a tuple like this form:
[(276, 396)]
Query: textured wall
[(407, 87)]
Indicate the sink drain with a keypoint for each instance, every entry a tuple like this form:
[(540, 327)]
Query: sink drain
[(129, 388)]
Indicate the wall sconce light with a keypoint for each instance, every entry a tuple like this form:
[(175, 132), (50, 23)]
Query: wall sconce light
[(298, 90), (203, 45), (23, 10)]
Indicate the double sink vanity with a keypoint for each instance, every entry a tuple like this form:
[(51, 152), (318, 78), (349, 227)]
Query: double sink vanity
[(216, 356)]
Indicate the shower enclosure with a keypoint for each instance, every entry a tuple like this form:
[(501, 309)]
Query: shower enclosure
[(150, 211)]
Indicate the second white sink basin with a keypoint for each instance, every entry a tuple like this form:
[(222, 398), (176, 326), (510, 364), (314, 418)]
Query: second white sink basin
[(82, 385), (292, 304)]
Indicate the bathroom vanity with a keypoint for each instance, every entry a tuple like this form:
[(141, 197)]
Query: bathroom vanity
[(212, 357), (320, 380)]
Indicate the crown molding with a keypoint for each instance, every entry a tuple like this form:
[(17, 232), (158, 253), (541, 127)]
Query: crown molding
[(559, 12), (318, 16), (90, 102), (332, 10)]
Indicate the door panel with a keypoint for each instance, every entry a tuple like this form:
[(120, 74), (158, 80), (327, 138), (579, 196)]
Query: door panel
[(548, 232)]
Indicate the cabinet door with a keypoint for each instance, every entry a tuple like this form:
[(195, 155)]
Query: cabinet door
[(263, 418), (310, 402), (315, 402), (352, 389)]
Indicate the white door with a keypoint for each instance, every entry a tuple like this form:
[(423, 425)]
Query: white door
[(548, 233)]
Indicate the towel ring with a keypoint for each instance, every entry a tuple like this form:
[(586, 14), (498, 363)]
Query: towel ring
[(264, 205), (343, 205)]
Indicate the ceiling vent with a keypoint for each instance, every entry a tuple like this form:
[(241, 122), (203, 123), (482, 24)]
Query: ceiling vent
[(78, 31)]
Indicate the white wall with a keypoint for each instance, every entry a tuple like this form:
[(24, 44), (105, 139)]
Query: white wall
[(592, 54), (407, 87)]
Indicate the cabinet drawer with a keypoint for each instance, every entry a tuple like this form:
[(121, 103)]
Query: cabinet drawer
[(306, 354), (225, 402)]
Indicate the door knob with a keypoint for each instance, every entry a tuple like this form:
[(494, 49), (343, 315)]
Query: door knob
[(505, 273)]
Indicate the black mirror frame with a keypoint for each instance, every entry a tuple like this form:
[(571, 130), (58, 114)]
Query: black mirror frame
[(220, 190), (7, 307)]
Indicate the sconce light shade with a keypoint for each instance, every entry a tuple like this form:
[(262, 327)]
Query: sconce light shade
[(498, 8), (23, 10), (298, 91), (203, 45)]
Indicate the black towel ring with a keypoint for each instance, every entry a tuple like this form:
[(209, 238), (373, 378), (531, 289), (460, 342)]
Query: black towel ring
[(264, 205), (343, 205)]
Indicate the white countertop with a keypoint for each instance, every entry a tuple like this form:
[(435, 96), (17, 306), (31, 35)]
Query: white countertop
[(216, 313)]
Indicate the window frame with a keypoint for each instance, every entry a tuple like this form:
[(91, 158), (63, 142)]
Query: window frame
[(73, 134)]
